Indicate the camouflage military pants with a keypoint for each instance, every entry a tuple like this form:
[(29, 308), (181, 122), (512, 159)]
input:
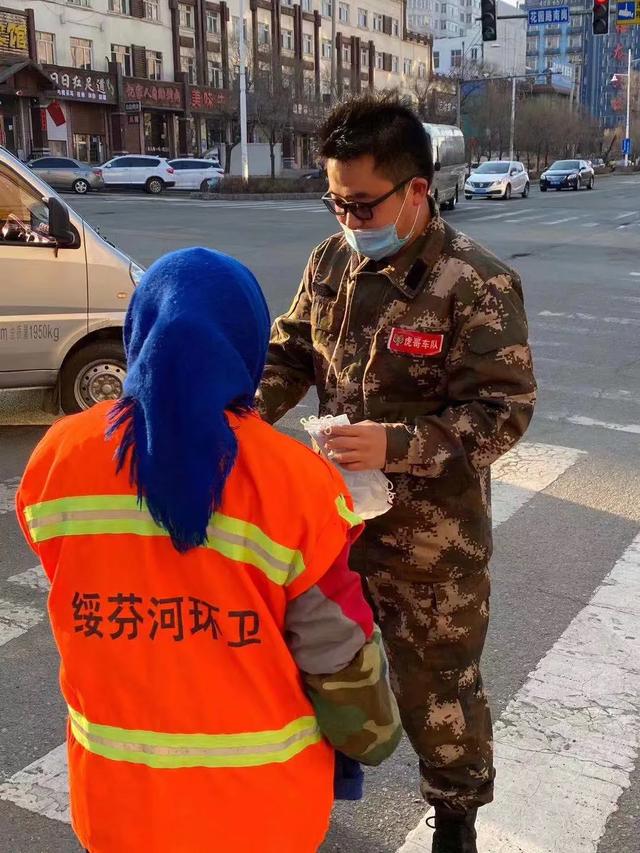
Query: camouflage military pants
[(434, 635)]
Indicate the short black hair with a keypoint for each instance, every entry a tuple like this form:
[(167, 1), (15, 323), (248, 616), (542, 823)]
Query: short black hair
[(383, 125)]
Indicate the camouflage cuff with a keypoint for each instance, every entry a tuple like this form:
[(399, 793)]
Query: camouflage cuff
[(399, 438)]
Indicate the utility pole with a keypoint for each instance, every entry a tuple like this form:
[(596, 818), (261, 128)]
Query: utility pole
[(627, 130), (334, 58), (244, 149), (512, 134)]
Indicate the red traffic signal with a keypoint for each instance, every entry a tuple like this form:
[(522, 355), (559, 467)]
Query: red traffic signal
[(600, 17)]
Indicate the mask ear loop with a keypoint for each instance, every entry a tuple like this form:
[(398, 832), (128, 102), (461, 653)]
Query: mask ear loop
[(395, 224)]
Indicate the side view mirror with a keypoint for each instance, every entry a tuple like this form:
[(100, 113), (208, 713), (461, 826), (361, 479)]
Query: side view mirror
[(513, 172), (59, 222), (437, 166)]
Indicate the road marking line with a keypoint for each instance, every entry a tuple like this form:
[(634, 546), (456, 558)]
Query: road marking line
[(8, 491), (628, 213), (622, 321), (589, 224), (523, 472), (567, 742), (581, 420), (42, 786), (34, 578), (619, 395), (559, 221), (16, 619), (635, 273)]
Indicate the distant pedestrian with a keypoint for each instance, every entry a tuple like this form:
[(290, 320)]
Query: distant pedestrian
[(214, 644), (419, 335)]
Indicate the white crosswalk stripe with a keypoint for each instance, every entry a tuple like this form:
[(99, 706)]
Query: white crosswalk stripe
[(34, 578), (519, 476), (568, 741), (16, 619)]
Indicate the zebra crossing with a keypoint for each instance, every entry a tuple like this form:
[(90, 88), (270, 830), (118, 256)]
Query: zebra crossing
[(566, 743)]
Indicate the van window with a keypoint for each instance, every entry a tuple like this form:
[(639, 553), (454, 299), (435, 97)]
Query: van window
[(24, 217)]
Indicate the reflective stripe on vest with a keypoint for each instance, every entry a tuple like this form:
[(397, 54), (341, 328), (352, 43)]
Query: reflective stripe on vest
[(112, 514), (160, 751)]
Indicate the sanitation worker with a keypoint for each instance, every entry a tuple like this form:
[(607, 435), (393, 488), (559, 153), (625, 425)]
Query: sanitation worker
[(215, 647)]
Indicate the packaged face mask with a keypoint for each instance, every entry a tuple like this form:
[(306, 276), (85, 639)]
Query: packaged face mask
[(371, 491)]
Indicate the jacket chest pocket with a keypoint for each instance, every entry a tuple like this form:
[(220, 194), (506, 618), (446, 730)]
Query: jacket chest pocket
[(326, 319), (411, 363)]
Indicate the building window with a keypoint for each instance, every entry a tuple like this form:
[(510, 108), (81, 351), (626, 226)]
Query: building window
[(81, 53), (46, 43), (121, 53), (214, 74), (395, 64), (396, 27), (78, 2), (327, 8), (235, 21), (188, 66), (343, 13), (287, 3), (212, 23), (408, 67), (264, 34), (287, 39), (327, 49), (154, 65), (532, 44), (552, 43), (152, 10), (474, 54), (380, 61), (307, 44), (363, 19), (436, 59), (346, 54), (306, 5), (186, 16), (120, 7), (456, 58), (575, 41), (422, 70), (469, 18), (364, 57), (378, 22)]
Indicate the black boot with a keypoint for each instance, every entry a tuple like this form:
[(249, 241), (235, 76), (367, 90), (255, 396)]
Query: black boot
[(454, 831)]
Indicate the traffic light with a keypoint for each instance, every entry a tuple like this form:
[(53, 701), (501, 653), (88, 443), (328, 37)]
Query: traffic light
[(600, 17), (489, 20)]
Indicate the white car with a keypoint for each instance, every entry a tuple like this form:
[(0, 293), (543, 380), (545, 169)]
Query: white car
[(150, 173), (192, 174), (498, 179)]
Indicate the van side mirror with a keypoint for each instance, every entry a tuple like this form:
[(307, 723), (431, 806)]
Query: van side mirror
[(437, 166), (59, 223)]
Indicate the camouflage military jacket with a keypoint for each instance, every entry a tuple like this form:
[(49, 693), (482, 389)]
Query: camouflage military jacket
[(434, 346)]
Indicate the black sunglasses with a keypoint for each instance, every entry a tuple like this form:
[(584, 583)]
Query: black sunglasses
[(362, 210)]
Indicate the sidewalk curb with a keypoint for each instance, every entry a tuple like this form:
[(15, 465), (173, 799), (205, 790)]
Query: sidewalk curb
[(256, 196)]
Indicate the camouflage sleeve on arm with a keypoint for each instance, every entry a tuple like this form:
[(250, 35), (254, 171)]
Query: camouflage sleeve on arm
[(491, 390), (356, 710), (288, 373)]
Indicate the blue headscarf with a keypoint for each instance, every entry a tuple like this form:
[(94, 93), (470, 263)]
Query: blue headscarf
[(196, 337)]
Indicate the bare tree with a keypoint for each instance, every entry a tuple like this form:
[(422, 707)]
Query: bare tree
[(273, 110)]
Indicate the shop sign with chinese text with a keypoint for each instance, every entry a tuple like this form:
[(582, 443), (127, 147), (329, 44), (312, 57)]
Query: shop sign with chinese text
[(152, 94), (205, 100), (13, 33), (79, 85)]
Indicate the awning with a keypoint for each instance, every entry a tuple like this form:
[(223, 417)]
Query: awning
[(8, 71)]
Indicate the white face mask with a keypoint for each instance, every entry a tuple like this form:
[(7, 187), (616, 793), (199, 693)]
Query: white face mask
[(378, 243)]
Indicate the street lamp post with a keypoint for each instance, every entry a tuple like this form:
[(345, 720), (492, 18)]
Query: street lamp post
[(614, 79), (244, 148)]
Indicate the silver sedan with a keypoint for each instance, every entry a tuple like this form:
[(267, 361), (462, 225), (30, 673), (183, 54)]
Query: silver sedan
[(63, 173)]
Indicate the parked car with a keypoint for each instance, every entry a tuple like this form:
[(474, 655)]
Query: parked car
[(64, 291), (498, 179), (568, 175), (192, 174), (63, 173), (152, 174)]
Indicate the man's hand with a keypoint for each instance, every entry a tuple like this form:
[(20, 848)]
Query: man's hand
[(358, 447)]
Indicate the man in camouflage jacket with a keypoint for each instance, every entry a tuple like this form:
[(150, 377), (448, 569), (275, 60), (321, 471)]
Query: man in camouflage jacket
[(419, 335)]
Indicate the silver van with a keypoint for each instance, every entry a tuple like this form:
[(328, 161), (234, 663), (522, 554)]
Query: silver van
[(64, 292), (447, 143)]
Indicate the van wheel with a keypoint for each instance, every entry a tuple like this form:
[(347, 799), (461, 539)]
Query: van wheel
[(92, 375), (154, 186), (80, 186)]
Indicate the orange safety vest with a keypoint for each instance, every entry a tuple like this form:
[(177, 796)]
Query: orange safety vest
[(189, 729)]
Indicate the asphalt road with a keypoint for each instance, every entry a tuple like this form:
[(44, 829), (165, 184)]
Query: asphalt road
[(567, 515)]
